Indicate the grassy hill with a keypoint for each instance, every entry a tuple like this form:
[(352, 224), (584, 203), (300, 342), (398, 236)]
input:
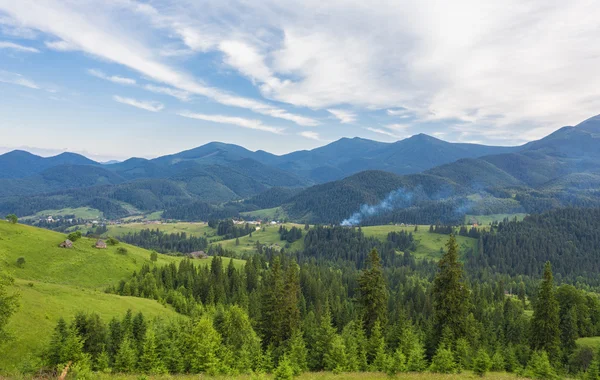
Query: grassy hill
[(56, 282), (267, 235)]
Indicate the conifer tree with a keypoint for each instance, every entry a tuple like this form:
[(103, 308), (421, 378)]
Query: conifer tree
[(482, 363), (377, 351), (539, 367), (126, 358), (373, 294), (297, 353), (284, 370), (150, 362), (203, 347), (593, 372), (443, 361), (545, 332), (450, 295), (324, 340), (335, 358)]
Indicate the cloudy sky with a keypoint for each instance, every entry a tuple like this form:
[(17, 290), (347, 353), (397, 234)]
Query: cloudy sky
[(120, 78)]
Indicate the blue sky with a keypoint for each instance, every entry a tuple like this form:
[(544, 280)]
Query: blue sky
[(121, 78)]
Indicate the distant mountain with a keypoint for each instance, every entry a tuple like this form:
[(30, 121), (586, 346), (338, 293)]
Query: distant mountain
[(20, 164)]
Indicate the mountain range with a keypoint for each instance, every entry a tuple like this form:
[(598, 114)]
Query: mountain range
[(337, 178)]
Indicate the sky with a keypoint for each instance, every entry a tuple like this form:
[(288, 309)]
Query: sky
[(113, 79)]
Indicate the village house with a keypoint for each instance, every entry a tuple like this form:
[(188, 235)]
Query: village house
[(199, 255), (101, 244), (66, 244)]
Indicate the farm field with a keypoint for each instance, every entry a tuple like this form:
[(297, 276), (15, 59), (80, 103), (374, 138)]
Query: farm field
[(196, 229), (79, 212), (275, 213), (428, 244), (267, 235), (485, 220)]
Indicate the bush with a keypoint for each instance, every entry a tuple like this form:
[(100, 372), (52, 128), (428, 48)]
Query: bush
[(74, 236), (122, 250), (21, 262), (12, 218), (153, 256), (482, 363), (112, 241)]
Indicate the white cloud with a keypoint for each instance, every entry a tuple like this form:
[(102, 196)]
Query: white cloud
[(145, 105), (233, 120), (88, 28), (343, 115), (402, 113), (310, 135), (18, 79), (397, 127), (17, 47), (184, 96), (60, 45), (384, 132), (111, 78)]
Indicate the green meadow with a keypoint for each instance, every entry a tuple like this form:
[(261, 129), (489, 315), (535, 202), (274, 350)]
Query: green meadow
[(57, 282), (267, 235), (79, 212)]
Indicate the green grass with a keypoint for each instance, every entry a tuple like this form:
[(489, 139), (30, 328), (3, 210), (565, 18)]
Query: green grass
[(57, 282), (275, 213), (428, 244), (268, 235), (80, 212), (195, 229), (593, 342), (484, 220), (43, 304)]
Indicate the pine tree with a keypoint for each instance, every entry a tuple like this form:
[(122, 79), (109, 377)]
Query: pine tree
[(593, 372), (54, 354), (545, 332), (355, 343), (335, 358), (539, 367), (203, 347), (297, 353), (284, 370), (443, 361), (482, 363), (415, 361), (450, 295), (126, 358), (150, 362), (324, 339), (462, 353), (373, 293), (377, 351)]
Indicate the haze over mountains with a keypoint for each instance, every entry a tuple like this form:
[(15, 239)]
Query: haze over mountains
[(562, 168)]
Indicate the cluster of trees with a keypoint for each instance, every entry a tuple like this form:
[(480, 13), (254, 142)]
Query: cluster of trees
[(384, 314), (569, 238), (472, 232), (402, 240), (441, 229), (290, 235), (229, 230), (164, 242)]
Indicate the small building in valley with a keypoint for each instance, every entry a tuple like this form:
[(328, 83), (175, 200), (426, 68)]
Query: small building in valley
[(101, 244), (66, 244), (199, 255)]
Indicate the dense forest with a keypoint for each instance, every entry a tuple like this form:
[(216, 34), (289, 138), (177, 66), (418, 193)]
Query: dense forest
[(162, 242)]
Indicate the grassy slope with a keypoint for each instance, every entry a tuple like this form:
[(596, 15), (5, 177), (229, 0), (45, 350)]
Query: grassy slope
[(593, 342), (428, 245), (64, 282), (268, 235), (43, 304)]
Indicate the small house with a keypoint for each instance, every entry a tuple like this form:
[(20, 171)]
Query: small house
[(66, 244), (101, 244), (199, 255)]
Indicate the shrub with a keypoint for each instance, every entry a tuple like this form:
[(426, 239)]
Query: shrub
[(153, 256), (112, 241), (21, 262), (122, 250), (74, 236), (12, 218), (284, 370), (539, 367)]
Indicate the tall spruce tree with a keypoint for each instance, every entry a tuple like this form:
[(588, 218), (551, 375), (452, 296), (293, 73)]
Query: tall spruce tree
[(545, 331), (451, 295), (373, 294)]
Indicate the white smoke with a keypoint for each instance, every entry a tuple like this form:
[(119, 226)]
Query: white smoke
[(396, 199)]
